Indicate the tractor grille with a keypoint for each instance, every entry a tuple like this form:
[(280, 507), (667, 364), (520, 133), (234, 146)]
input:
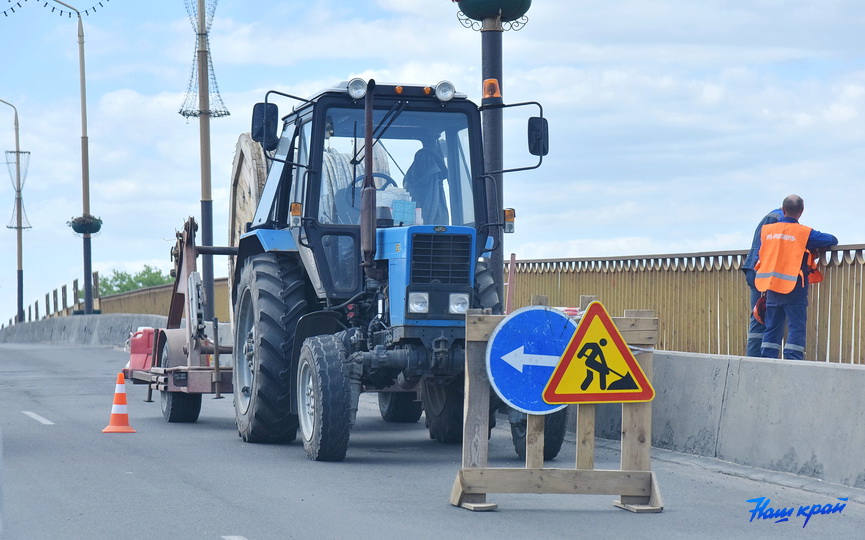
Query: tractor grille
[(441, 258)]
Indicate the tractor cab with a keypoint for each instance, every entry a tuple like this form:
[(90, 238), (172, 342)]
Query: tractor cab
[(426, 162)]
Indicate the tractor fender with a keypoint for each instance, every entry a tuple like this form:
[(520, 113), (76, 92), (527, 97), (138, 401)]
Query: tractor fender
[(260, 241), (312, 324)]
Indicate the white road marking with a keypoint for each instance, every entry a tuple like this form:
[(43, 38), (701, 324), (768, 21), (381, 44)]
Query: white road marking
[(233, 537), (40, 419)]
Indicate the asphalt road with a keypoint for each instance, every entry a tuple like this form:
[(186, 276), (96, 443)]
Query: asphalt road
[(64, 478)]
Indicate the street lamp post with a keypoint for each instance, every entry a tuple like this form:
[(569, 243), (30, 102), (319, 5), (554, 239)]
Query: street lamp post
[(491, 14), (85, 166), (19, 215)]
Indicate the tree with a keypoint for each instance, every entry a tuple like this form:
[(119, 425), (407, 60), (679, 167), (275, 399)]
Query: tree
[(120, 281)]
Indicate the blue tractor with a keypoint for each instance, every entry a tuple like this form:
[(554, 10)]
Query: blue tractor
[(364, 253)]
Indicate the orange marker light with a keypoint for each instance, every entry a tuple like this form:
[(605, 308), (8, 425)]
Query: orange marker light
[(398, 89), (510, 215), (491, 89)]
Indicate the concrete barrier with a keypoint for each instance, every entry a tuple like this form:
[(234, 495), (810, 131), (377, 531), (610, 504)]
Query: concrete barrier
[(782, 415), (111, 330)]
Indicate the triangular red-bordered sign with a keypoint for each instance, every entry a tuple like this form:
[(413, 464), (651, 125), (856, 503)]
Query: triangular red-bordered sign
[(595, 327)]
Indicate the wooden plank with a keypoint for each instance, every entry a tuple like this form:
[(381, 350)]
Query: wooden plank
[(540, 300), (586, 436), (475, 502), (637, 432), (634, 330), (642, 313), (480, 327), (556, 481), (476, 413), (654, 505), (535, 441), (586, 416)]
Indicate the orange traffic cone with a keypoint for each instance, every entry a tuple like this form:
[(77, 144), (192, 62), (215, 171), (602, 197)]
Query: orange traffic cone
[(119, 422)]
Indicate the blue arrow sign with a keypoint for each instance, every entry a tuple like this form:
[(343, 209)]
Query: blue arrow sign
[(522, 353)]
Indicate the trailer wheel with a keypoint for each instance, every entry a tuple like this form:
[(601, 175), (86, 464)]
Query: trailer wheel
[(555, 426), (443, 405), (399, 407), (270, 300), (324, 399), (178, 406)]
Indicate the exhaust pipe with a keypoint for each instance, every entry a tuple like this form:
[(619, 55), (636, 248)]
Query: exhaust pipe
[(367, 194)]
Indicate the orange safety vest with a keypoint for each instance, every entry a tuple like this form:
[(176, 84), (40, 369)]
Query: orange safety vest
[(780, 264)]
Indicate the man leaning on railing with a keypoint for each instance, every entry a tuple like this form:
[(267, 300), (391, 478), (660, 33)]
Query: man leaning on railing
[(784, 269)]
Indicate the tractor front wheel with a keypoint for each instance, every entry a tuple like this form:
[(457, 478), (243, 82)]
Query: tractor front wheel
[(324, 399)]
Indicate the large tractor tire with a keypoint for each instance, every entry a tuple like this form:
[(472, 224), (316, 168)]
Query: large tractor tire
[(399, 407), (555, 426), (324, 399), (443, 406), (177, 407), (248, 174), (486, 290), (270, 300)]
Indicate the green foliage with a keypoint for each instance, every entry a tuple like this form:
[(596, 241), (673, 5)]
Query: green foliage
[(120, 281)]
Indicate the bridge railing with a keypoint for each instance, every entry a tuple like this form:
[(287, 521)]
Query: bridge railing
[(702, 300), (154, 300)]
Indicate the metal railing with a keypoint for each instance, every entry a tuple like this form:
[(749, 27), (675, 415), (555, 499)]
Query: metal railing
[(151, 301), (701, 299)]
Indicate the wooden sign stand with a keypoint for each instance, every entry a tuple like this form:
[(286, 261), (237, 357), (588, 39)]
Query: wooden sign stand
[(635, 483)]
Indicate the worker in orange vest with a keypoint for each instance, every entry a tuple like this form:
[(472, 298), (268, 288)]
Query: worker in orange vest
[(785, 267), (756, 326)]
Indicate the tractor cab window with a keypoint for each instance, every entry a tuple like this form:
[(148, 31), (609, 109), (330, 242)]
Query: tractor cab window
[(420, 163)]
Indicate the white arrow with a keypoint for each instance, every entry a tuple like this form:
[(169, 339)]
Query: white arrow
[(518, 359)]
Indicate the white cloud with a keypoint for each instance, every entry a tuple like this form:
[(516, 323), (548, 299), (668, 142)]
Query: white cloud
[(674, 125)]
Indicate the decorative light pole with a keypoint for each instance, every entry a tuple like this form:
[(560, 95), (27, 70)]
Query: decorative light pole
[(494, 16), (93, 224), (201, 18), (19, 217)]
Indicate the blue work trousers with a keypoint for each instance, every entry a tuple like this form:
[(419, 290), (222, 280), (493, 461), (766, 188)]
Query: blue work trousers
[(794, 315)]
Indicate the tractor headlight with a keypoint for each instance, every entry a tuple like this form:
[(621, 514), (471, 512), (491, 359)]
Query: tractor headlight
[(445, 91), (458, 303), (356, 88), (418, 302)]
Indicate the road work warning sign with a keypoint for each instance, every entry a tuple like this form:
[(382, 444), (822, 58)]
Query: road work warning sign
[(597, 366)]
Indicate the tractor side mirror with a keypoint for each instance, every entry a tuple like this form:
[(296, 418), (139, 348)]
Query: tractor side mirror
[(265, 117), (539, 136)]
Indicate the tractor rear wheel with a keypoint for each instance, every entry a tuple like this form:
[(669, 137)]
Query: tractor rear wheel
[(399, 407), (270, 300), (178, 407), (324, 399), (443, 406)]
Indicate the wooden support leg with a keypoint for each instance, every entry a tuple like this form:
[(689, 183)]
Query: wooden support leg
[(535, 441), (586, 436)]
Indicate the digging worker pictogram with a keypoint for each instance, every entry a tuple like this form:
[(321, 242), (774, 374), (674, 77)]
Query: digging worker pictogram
[(785, 267), (594, 355)]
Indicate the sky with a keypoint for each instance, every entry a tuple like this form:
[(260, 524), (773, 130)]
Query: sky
[(674, 125)]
